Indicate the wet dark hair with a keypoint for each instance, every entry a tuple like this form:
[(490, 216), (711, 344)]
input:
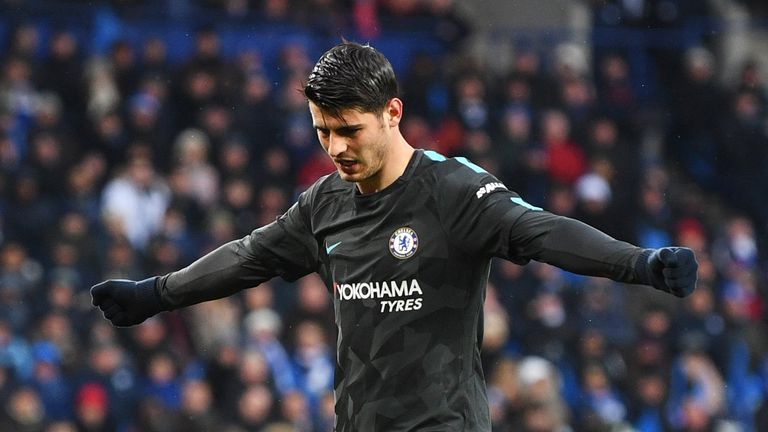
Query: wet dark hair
[(351, 76)]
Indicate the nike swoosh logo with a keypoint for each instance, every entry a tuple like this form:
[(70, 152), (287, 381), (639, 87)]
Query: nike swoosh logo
[(328, 249)]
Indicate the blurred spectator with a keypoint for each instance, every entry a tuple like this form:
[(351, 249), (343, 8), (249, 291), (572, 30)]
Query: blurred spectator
[(53, 386), (254, 408), (697, 107), (191, 157), (162, 381), (472, 106), (137, 201), (263, 327), (154, 61), (275, 169), (655, 344), (74, 232), (578, 102), (122, 59), (56, 328), (49, 118), (313, 303), (207, 334), (751, 81), (173, 246), (528, 65), (92, 409), (297, 135), (103, 93), (564, 159), (108, 366), (147, 340), (121, 261), (424, 87), (653, 221), (514, 138), (47, 159), (62, 73), (196, 413), (24, 42), (699, 323), (595, 350), (15, 355), (495, 330), (205, 77), (614, 157), (234, 159), (295, 409), (595, 203), (617, 94), (602, 408), (21, 278), (17, 91), (222, 375), (696, 396), (23, 412), (239, 201), (31, 216), (504, 395), (312, 361), (648, 398), (602, 308), (549, 325), (254, 114), (543, 409), (742, 155)]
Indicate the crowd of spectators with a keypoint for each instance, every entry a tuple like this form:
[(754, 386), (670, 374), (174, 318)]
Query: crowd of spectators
[(127, 165)]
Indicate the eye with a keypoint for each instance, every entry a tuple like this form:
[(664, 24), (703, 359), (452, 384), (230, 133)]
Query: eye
[(348, 132), (323, 132)]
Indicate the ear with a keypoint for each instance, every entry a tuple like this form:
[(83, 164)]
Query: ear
[(393, 112)]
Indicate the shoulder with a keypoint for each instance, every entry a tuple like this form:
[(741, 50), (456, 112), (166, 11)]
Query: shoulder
[(459, 175), (327, 190)]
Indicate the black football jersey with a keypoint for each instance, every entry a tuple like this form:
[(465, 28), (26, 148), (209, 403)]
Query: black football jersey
[(407, 268)]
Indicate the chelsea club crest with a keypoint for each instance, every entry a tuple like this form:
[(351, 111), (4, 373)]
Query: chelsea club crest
[(403, 243)]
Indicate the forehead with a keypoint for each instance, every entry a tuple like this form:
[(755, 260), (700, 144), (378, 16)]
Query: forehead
[(349, 116)]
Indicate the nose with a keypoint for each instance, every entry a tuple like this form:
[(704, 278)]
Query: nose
[(336, 145)]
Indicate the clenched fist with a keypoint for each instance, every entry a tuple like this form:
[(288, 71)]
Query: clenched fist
[(126, 302), (673, 270)]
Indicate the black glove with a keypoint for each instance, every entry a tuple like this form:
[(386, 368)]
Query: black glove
[(127, 302), (670, 269)]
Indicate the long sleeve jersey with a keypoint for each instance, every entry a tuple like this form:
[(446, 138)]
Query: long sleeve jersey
[(407, 268)]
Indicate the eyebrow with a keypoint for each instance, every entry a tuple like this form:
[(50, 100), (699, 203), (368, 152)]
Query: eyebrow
[(340, 129)]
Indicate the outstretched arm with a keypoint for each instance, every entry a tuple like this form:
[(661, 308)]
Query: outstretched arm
[(283, 248), (483, 216), (579, 248)]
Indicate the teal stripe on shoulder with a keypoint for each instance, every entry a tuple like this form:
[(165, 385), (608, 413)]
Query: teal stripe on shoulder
[(473, 167), (521, 202), (435, 156)]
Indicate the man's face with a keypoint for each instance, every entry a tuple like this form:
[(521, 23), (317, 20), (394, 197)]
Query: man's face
[(357, 143)]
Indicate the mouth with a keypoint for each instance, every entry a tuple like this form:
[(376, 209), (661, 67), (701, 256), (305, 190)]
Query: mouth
[(347, 166)]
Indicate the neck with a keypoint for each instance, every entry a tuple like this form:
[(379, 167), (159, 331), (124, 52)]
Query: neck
[(393, 166)]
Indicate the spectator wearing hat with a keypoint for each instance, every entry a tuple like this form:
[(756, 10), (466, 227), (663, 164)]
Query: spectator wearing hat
[(92, 409), (53, 386)]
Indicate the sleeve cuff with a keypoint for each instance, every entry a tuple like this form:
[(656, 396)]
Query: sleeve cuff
[(641, 268), (149, 294)]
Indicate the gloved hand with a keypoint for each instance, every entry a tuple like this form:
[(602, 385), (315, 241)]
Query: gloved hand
[(673, 270), (127, 302)]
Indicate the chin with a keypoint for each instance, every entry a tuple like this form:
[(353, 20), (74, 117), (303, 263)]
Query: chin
[(347, 177)]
